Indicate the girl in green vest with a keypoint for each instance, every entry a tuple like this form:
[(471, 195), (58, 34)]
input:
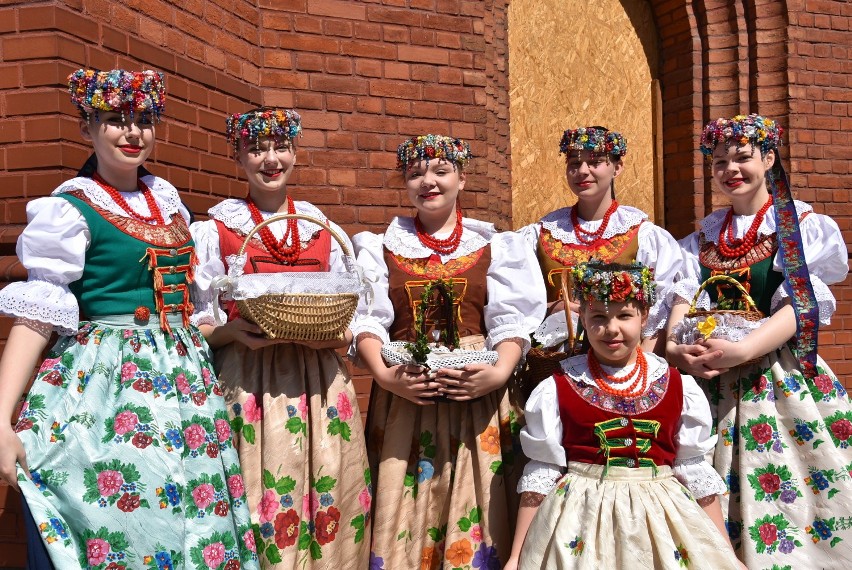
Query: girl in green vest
[(122, 448), (784, 420)]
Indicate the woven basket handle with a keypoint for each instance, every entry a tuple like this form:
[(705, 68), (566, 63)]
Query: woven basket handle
[(749, 301), (566, 282), (311, 219)]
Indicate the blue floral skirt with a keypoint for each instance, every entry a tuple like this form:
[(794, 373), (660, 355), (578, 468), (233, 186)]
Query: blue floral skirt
[(784, 451), (130, 453)]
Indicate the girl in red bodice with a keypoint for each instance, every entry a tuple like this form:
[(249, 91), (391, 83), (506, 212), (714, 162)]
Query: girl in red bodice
[(292, 404), (616, 441)]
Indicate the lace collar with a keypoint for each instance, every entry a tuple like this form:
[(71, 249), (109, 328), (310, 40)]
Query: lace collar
[(234, 213), (165, 194), (577, 372), (401, 239), (711, 225), (558, 223)]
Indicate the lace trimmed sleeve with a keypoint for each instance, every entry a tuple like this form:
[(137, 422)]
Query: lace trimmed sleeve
[(541, 439), (210, 265), (53, 250), (694, 440)]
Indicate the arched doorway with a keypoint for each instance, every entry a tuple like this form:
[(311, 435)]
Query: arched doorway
[(573, 63)]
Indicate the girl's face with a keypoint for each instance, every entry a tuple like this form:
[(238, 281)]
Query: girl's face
[(614, 330), (434, 189), (740, 173), (268, 163), (590, 174), (120, 144)]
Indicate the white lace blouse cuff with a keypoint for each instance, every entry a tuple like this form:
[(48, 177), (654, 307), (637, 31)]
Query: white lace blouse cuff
[(699, 477), (507, 331), (825, 299), (42, 301), (539, 477), (362, 325)]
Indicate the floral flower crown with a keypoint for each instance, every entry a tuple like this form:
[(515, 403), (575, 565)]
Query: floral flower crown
[(262, 122), (614, 282), (118, 90), (594, 139), (427, 147), (741, 130)]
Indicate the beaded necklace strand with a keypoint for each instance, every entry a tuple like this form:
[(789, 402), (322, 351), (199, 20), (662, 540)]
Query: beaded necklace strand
[(605, 381), (279, 248), (442, 246), (155, 215), (731, 248), (587, 237)]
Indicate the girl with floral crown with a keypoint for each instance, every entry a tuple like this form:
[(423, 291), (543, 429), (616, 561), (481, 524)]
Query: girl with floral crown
[(123, 447), (616, 440), (292, 403), (441, 442), (598, 227), (784, 420)]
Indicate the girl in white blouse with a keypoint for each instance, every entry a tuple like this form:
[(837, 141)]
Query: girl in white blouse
[(616, 440), (441, 444), (598, 227)]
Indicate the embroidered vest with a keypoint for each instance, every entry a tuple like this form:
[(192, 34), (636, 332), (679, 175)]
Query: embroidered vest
[(554, 255), (407, 277), (615, 431), (132, 264), (313, 257), (753, 270)]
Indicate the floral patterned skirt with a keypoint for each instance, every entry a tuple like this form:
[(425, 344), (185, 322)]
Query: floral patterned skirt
[(629, 518), (301, 446), (130, 454), (784, 451), (445, 481)]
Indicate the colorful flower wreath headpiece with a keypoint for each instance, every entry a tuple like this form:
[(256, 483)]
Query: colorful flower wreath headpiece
[(130, 92), (594, 139), (262, 122), (427, 147), (614, 283), (741, 130)]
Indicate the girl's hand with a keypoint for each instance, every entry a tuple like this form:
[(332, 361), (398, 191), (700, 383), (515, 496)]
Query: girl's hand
[(239, 330), (410, 382), (471, 382), (11, 452), (695, 359), (511, 564), (732, 353)]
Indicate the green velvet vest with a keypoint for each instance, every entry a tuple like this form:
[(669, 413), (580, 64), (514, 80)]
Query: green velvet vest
[(132, 266), (753, 270)]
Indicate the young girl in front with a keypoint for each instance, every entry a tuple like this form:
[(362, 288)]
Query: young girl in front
[(784, 420), (598, 227), (441, 444), (292, 404), (616, 440), (124, 452)]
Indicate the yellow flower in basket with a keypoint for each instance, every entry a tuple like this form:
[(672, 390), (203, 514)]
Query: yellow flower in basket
[(707, 326)]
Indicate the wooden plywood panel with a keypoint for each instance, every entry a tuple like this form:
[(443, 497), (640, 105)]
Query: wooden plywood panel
[(576, 63)]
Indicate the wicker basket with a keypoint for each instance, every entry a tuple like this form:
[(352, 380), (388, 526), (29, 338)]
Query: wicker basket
[(542, 362), (302, 316), (751, 313)]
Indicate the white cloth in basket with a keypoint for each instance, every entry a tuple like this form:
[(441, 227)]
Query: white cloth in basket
[(729, 326)]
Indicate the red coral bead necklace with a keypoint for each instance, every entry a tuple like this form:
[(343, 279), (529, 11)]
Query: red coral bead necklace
[(155, 216), (731, 248), (587, 237), (278, 248), (442, 246), (605, 381)]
